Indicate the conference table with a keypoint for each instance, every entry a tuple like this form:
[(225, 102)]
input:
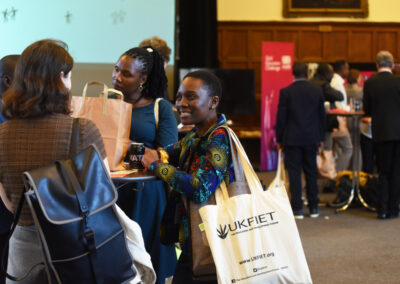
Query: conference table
[(355, 193)]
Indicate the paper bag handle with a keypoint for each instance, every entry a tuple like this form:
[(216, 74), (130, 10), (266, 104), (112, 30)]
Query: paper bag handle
[(105, 92)]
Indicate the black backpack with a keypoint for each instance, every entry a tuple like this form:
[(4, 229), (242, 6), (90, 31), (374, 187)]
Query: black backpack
[(72, 203)]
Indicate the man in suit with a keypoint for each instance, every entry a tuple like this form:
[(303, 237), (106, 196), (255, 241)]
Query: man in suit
[(382, 103), (7, 67), (300, 128)]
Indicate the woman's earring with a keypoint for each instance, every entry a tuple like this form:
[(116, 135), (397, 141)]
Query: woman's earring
[(141, 87)]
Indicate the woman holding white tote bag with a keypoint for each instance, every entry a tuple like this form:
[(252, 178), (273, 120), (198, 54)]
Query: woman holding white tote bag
[(253, 237), (196, 166)]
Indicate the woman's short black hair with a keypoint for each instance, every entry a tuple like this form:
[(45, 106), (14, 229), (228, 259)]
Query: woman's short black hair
[(211, 82), (151, 65), (37, 88)]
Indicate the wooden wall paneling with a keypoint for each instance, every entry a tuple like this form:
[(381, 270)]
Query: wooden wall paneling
[(288, 35), (256, 37), (336, 45), (398, 46), (257, 67), (386, 40), (234, 45), (220, 45), (360, 47), (234, 65), (310, 47)]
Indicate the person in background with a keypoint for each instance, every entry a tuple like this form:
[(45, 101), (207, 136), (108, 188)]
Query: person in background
[(199, 162), (354, 90), (341, 136), (341, 71), (139, 74), (160, 45), (300, 129), (355, 95), (322, 78), (37, 132), (382, 103), (7, 68)]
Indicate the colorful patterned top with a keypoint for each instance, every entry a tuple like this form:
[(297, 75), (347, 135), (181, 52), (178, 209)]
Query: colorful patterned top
[(197, 165)]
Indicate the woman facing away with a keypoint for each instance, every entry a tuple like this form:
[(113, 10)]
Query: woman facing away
[(200, 161), (139, 74), (353, 89), (37, 132)]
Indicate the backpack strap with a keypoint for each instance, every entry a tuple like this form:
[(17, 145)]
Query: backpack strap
[(74, 144)]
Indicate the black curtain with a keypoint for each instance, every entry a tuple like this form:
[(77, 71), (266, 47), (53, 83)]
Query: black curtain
[(196, 33)]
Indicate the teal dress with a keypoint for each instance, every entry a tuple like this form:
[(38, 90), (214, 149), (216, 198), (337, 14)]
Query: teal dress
[(146, 207)]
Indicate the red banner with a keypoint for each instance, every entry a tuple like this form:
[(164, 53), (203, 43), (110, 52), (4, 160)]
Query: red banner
[(276, 73)]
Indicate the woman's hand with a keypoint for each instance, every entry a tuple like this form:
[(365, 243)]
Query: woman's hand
[(149, 157)]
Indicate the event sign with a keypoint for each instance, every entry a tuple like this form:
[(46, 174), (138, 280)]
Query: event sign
[(276, 73)]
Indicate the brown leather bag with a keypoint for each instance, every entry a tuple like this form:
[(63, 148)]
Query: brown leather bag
[(203, 266)]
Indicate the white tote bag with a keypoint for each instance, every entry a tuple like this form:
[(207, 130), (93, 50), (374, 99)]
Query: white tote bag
[(135, 243), (253, 237)]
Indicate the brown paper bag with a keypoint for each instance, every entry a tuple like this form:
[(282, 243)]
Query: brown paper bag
[(111, 116), (203, 265), (326, 164)]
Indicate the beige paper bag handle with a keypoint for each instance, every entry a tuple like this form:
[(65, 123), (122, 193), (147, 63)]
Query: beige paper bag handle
[(105, 92)]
